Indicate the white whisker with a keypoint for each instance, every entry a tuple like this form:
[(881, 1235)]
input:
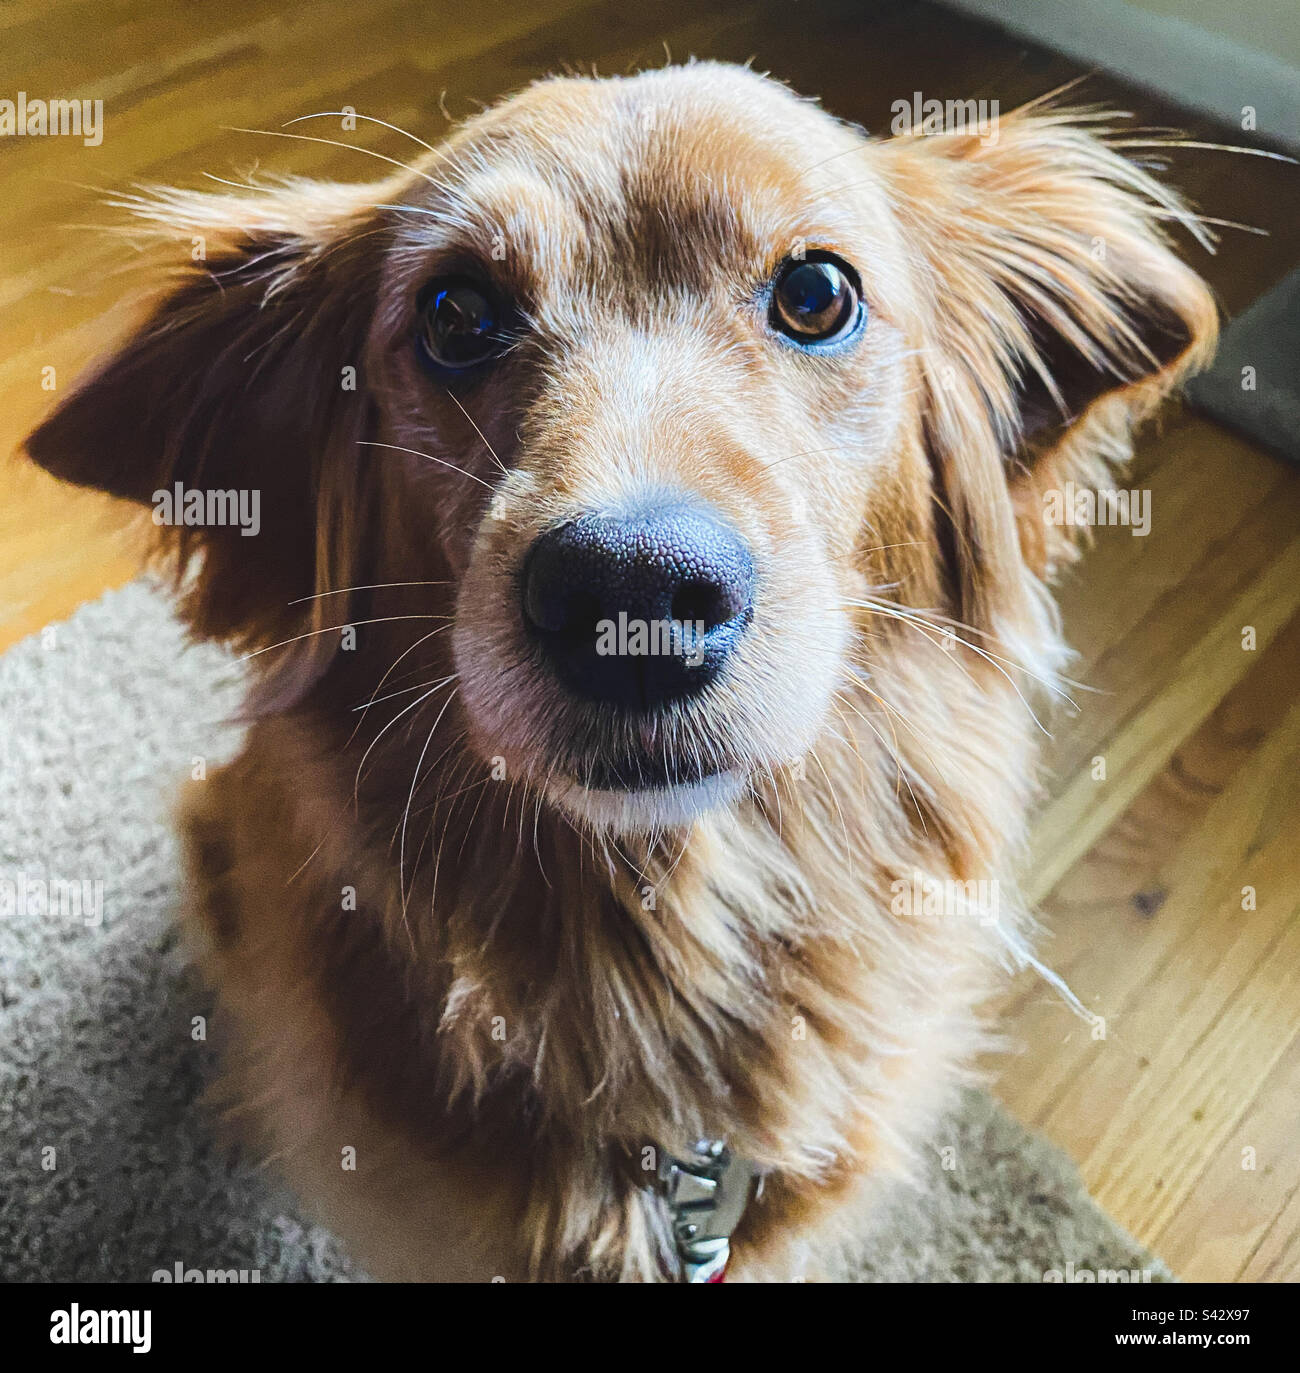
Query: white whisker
[(370, 119), (335, 629), (401, 861), (371, 586), (415, 452), (337, 143), (504, 470)]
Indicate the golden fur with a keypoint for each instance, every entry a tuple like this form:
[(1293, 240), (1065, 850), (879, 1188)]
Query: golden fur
[(533, 984)]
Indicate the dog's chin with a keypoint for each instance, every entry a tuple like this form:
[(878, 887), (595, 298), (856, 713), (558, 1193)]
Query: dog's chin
[(648, 809)]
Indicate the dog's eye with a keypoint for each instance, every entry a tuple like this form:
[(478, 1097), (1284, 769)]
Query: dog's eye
[(461, 324), (816, 299)]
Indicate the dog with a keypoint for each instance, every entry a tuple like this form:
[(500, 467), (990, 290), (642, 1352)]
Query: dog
[(649, 612)]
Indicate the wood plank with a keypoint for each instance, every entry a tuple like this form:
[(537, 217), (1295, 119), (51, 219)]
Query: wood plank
[(1200, 998), (1161, 676), (1231, 1222)]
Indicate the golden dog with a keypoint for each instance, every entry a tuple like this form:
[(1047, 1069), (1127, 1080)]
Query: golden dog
[(547, 954)]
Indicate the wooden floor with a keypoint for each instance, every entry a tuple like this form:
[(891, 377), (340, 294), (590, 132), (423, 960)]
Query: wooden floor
[(1185, 1117)]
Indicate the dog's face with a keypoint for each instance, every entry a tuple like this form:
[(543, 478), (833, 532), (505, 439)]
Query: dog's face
[(661, 377), (695, 389)]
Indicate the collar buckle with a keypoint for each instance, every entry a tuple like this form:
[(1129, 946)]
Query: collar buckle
[(706, 1192)]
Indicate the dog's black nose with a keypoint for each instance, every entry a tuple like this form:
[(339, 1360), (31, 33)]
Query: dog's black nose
[(639, 610)]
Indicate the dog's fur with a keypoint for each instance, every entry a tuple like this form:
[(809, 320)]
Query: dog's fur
[(501, 990)]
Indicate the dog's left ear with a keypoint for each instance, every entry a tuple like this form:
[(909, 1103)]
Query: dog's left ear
[(1052, 314)]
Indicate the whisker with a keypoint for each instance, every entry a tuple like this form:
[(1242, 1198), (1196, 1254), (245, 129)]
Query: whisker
[(209, 176), (945, 620), (301, 866), (369, 118), (424, 638), (401, 860), (890, 609), (504, 470), (338, 143), (415, 452), (334, 629), (806, 453), (464, 839), (392, 695), (830, 786), (884, 547), (898, 763), (412, 210), (1183, 217), (356, 785), (371, 586), (465, 767), (894, 613), (907, 723)]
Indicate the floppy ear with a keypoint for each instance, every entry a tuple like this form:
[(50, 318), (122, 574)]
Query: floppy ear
[(235, 382), (1055, 316)]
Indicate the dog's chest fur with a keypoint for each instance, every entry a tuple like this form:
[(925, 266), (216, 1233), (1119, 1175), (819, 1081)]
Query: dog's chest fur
[(507, 1049)]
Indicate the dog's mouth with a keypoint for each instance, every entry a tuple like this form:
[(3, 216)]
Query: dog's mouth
[(652, 781), (645, 794), (633, 771), (638, 772)]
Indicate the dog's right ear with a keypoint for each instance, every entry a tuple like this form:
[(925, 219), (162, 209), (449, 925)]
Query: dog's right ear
[(238, 381)]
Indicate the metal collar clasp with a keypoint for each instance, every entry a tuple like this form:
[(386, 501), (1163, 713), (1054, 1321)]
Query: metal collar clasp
[(706, 1192)]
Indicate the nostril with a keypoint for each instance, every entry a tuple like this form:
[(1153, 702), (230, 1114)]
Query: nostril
[(561, 611), (706, 603), (582, 614), (555, 600)]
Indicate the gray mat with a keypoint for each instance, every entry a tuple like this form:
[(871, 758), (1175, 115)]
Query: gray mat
[(109, 1167), (1263, 405)]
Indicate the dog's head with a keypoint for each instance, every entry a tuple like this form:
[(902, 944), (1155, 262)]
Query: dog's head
[(656, 383)]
